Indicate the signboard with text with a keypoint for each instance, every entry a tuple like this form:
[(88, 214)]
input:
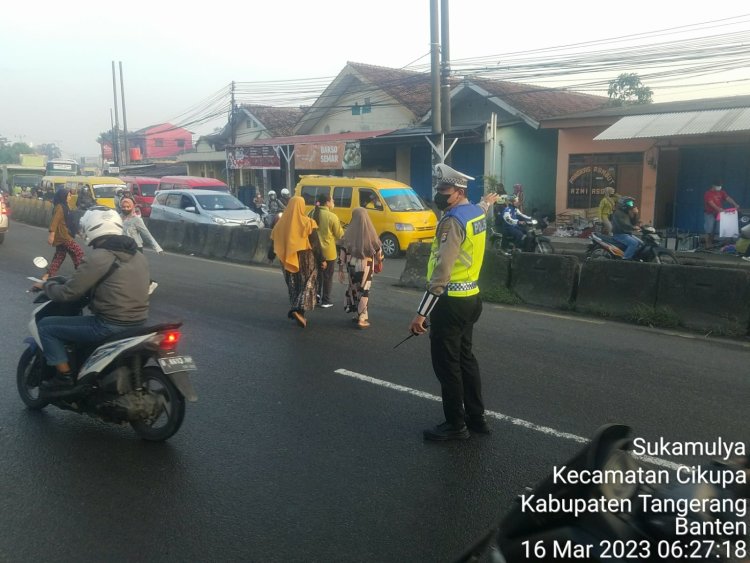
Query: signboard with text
[(253, 157), (336, 155)]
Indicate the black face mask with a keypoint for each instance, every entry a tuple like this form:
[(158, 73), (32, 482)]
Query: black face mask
[(441, 201)]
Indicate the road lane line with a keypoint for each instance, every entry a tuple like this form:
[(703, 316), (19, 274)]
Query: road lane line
[(499, 416)]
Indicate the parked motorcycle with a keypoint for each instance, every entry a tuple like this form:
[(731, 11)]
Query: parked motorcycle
[(605, 247), (533, 241), (648, 532), (133, 377)]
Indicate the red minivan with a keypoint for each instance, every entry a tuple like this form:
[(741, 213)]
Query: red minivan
[(143, 190), (192, 183)]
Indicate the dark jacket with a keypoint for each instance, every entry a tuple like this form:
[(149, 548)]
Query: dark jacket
[(622, 223), (122, 298)]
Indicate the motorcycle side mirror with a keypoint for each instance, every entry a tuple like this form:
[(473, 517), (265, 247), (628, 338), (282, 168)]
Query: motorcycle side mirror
[(40, 262)]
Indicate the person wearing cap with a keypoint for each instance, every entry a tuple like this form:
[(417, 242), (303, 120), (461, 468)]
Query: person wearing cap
[(713, 204), (453, 304)]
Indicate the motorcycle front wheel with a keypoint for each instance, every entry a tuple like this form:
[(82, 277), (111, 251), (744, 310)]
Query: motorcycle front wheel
[(544, 247), (168, 421), (664, 256), (28, 378)]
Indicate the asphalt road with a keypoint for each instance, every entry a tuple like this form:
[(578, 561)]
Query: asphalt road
[(305, 444)]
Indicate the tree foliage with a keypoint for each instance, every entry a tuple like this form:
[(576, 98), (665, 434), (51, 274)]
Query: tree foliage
[(10, 153), (50, 150), (627, 89)]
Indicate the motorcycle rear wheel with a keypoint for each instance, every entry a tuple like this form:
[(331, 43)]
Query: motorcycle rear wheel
[(664, 256), (599, 254), (28, 377), (170, 419), (497, 245)]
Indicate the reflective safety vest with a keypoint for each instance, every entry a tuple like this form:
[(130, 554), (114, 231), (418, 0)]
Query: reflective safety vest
[(465, 272)]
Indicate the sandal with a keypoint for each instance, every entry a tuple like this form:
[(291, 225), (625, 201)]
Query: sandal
[(301, 321)]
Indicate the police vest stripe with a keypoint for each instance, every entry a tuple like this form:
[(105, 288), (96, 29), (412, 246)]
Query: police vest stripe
[(465, 272)]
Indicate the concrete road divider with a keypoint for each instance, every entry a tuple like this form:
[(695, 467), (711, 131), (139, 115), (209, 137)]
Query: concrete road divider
[(548, 280), (194, 239), (218, 241), (615, 287), (708, 299), (495, 272), (243, 244), (415, 268), (261, 248), (174, 237)]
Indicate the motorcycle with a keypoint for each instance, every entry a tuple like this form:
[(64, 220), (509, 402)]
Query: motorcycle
[(605, 247), (642, 522), (533, 240), (133, 377)]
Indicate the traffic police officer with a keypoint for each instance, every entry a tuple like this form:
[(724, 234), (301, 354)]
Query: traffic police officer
[(453, 305)]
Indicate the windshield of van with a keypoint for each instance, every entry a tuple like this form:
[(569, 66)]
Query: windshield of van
[(219, 202), (402, 199), (105, 190), (148, 190)]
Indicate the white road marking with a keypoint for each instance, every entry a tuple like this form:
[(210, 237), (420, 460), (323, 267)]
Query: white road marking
[(499, 416)]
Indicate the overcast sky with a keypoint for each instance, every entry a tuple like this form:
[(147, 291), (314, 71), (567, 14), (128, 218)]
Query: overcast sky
[(55, 58)]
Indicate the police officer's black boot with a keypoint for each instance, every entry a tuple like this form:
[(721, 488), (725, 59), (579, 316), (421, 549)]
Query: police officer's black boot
[(447, 431)]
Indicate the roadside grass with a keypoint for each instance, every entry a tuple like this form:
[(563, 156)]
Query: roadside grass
[(661, 317)]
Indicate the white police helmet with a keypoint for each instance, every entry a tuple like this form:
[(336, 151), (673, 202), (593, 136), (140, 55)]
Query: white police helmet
[(450, 176), (285, 192), (271, 193), (100, 221)]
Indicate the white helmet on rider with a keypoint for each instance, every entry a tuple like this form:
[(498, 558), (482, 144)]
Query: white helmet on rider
[(512, 198), (272, 194), (100, 221), (285, 192)]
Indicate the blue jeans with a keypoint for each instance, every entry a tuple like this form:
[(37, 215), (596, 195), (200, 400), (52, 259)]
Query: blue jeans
[(631, 242), (54, 332)]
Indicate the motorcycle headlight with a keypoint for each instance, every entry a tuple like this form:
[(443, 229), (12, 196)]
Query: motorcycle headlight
[(404, 227), (219, 220)]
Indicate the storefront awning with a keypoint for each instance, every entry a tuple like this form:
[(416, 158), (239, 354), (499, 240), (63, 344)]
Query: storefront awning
[(309, 139), (676, 124)]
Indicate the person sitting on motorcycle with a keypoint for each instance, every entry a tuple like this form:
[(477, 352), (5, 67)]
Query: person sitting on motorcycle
[(624, 224), (514, 221), (274, 203), (285, 195), (114, 275), (499, 209)]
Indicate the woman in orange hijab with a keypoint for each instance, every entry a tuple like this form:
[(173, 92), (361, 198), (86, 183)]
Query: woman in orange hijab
[(297, 251)]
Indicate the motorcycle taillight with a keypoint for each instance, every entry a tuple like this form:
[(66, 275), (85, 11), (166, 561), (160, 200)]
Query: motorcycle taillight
[(170, 340)]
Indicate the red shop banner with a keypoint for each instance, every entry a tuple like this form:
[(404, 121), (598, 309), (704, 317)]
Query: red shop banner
[(253, 157)]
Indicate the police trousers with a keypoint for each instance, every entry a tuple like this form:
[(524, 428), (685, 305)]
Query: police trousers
[(451, 328)]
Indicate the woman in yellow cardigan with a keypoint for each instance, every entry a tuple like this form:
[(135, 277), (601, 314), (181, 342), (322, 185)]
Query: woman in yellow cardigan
[(606, 208)]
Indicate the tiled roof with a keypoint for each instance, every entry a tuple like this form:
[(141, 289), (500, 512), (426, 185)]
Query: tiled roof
[(537, 102), (411, 89), (278, 121)]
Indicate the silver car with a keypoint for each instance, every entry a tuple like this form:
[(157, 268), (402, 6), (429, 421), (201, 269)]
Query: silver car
[(203, 206)]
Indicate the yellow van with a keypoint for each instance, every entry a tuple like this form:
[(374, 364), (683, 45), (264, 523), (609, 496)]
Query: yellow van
[(100, 188), (50, 185), (398, 214)]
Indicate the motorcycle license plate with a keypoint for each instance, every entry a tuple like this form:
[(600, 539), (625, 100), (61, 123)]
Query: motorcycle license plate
[(174, 364)]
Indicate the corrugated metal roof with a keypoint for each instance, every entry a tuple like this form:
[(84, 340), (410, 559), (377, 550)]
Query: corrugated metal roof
[(673, 124), (322, 138)]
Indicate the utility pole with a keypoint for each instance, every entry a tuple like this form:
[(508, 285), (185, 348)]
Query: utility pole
[(437, 127), (124, 119), (116, 132), (445, 68)]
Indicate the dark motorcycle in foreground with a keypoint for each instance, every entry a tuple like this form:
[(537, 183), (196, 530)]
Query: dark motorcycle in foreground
[(605, 247), (617, 519), (533, 240), (134, 377)]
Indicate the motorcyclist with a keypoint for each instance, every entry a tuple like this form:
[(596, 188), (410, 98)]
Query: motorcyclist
[(115, 276), (285, 195), (275, 205), (624, 224), (514, 221)]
